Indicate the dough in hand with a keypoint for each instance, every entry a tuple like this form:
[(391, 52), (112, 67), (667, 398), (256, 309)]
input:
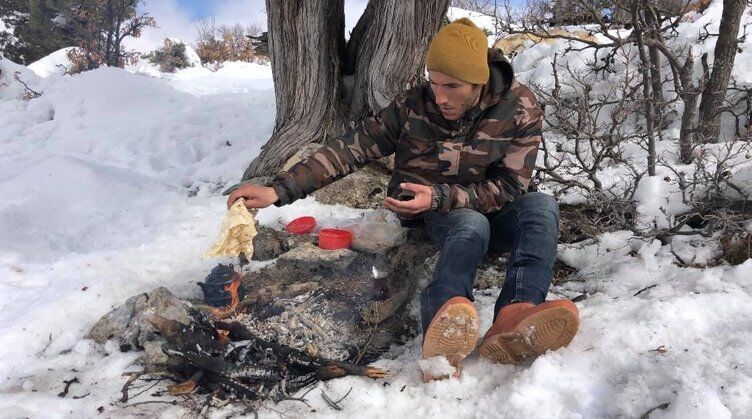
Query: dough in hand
[(238, 231)]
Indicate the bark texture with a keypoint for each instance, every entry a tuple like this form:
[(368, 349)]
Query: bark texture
[(714, 95), (322, 85), (305, 42)]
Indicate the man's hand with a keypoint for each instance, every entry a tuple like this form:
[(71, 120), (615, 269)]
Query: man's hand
[(256, 196), (420, 203)]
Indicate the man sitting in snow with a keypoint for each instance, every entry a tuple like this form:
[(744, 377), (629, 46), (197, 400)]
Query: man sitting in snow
[(466, 144)]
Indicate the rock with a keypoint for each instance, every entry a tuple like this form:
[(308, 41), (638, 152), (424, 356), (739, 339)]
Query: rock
[(363, 189), (311, 258), (388, 162), (269, 243), (129, 323), (154, 354)]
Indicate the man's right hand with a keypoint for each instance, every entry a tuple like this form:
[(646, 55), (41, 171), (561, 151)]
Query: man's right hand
[(256, 196)]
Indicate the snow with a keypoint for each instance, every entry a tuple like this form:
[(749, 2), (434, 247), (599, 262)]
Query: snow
[(110, 183), (10, 89), (190, 53), (437, 366), (55, 63), (481, 20)]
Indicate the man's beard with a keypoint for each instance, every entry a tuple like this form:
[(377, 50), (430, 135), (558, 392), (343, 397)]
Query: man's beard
[(471, 101)]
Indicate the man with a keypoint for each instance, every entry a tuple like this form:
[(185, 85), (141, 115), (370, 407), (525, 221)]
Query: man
[(465, 145)]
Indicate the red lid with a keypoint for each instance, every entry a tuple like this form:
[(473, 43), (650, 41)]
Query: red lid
[(334, 238), (301, 225)]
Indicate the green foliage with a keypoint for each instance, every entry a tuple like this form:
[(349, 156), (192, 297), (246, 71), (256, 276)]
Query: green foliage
[(40, 28), (96, 27), (170, 57)]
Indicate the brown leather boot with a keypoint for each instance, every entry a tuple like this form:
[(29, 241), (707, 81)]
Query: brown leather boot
[(524, 330), (453, 334)]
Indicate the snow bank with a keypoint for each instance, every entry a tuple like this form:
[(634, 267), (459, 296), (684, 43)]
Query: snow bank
[(10, 89), (481, 20), (55, 63), (190, 53), (233, 76)]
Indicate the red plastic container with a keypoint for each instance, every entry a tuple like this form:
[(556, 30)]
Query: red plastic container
[(334, 238), (302, 225)]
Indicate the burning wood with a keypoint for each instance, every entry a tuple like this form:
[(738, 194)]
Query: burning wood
[(246, 366)]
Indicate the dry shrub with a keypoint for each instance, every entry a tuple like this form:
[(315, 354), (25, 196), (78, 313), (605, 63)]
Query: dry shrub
[(217, 44), (736, 245)]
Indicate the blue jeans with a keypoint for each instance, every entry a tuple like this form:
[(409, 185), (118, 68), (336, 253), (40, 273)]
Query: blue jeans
[(527, 228)]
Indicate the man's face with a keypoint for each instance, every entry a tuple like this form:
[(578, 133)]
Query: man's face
[(453, 96)]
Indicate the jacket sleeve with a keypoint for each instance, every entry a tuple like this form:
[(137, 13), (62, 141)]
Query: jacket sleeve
[(374, 138), (508, 177)]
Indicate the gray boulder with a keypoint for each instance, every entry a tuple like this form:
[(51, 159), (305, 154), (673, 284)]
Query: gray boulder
[(129, 323)]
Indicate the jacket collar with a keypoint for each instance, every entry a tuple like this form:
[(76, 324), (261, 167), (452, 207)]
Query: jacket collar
[(501, 76)]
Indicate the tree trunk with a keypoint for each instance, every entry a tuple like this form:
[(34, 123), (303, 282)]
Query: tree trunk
[(689, 97), (390, 55), (652, 19), (646, 86), (107, 20), (714, 94), (323, 87)]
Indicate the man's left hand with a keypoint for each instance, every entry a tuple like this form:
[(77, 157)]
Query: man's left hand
[(420, 203)]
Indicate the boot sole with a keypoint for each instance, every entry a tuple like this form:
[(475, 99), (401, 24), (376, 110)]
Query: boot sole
[(452, 335), (545, 330)]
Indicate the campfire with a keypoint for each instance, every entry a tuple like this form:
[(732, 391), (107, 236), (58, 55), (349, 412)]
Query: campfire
[(313, 315), (242, 365)]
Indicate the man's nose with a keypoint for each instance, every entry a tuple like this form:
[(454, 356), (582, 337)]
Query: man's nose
[(441, 98)]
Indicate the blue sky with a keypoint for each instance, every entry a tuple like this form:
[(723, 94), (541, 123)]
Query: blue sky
[(180, 18), (198, 9)]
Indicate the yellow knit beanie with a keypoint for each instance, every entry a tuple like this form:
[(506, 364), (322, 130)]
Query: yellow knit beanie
[(460, 50)]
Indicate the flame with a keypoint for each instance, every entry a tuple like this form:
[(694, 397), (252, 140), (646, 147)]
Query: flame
[(221, 313)]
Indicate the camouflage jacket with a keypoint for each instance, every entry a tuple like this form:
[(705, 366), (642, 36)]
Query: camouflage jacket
[(482, 161)]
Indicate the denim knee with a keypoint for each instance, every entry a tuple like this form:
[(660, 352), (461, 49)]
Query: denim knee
[(471, 225), (538, 201)]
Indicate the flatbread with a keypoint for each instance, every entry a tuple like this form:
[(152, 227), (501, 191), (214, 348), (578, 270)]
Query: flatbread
[(238, 231)]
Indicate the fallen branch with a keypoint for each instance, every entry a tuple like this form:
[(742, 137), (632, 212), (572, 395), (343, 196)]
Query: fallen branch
[(29, 92), (133, 376), (663, 406), (172, 402), (645, 289), (329, 401)]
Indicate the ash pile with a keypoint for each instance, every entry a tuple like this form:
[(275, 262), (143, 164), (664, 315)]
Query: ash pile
[(342, 304)]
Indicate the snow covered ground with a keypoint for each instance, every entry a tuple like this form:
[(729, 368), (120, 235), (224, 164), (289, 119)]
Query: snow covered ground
[(110, 184)]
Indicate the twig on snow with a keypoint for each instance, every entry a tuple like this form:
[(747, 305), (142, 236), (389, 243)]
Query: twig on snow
[(645, 289), (68, 383)]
